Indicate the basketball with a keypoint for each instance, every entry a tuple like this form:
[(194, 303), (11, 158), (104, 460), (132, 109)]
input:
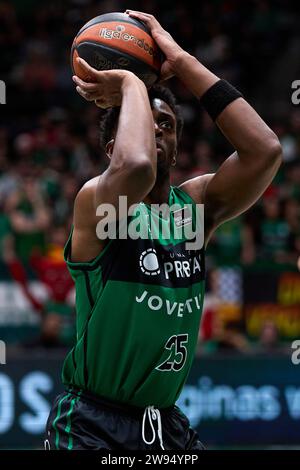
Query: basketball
[(117, 41)]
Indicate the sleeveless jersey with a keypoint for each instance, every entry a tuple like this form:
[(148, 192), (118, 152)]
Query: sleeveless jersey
[(139, 304)]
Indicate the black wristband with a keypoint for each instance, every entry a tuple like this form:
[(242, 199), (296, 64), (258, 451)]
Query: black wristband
[(218, 96)]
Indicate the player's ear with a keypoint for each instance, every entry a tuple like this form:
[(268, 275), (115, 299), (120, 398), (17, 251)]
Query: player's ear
[(109, 148), (173, 163)]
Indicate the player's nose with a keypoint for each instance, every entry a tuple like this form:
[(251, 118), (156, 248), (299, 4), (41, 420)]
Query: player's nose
[(157, 129)]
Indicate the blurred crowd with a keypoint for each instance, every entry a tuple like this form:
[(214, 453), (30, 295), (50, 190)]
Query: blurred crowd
[(49, 137)]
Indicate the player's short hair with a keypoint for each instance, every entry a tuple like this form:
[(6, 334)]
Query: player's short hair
[(110, 116)]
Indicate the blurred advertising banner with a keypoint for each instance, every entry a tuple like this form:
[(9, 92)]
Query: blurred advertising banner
[(272, 296), (231, 400), (240, 400), (250, 298)]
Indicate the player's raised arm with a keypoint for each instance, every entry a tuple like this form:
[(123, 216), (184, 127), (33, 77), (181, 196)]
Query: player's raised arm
[(132, 152), (244, 176)]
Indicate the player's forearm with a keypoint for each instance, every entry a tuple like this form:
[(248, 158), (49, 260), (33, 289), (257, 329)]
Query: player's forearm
[(135, 137), (195, 76), (239, 122), (247, 132)]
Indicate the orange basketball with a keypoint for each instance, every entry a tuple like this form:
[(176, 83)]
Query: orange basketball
[(117, 41)]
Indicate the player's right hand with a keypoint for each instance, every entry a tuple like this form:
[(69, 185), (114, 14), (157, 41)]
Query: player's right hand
[(104, 87), (164, 40)]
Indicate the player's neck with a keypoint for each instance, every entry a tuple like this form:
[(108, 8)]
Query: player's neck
[(159, 194)]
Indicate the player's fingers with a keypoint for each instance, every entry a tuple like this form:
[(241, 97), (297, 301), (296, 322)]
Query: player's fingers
[(101, 103), (87, 96), (135, 12), (140, 15), (93, 73), (89, 87), (148, 19)]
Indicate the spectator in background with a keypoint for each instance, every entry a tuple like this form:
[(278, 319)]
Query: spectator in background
[(58, 319), (232, 244), (291, 185), (272, 237), (63, 206), (6, 239), (269, 341), (29, 218), (292, 216), (38, 71), (50, 268), (274, 232), (269, 336)]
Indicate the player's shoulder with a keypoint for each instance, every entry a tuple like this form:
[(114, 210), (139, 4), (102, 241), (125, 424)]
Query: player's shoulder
[(90, 184), (195, 187), (85, 197), (88, 188)]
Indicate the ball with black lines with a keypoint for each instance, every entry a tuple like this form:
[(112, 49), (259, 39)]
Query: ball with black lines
[(117, 41)]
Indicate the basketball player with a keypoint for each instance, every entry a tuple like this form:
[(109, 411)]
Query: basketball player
[(139, 301)]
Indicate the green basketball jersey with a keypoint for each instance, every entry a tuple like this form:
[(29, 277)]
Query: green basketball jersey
[(139, 304)]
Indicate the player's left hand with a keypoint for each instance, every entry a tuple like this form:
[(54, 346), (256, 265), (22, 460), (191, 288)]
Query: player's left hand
[(104, 86), (164, 40)]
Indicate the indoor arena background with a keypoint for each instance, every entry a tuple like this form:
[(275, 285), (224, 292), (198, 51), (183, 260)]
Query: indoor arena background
[(244, 387)]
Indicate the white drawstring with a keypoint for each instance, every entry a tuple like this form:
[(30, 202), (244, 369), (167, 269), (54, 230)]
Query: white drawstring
[(47, 444), (153, 415)]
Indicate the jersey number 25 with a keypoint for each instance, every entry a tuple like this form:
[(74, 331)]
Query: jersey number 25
[(176, 344)]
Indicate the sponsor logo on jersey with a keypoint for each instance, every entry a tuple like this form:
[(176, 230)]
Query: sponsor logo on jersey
[(149, 262), (180, 268), (178, 309), (182, 217)]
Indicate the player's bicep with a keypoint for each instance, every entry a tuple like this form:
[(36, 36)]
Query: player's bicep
[(126, 185), (115, 189), (102, 201)]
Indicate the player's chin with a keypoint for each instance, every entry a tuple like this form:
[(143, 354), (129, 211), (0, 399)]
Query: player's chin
[(162, 157), (163, 165)]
